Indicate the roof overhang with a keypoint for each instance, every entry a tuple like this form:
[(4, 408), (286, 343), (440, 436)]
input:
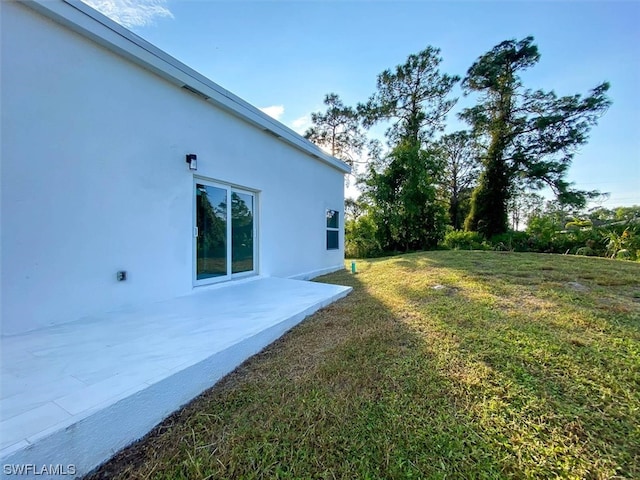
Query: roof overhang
[(83, 19)]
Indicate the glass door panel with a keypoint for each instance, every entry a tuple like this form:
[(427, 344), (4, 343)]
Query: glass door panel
[(242, 214), (211, 222)]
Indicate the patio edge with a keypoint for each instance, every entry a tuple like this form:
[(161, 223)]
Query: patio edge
[(88, 443)]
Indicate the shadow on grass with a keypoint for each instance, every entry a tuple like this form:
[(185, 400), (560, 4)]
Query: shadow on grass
[(349, 393), (400, 380)]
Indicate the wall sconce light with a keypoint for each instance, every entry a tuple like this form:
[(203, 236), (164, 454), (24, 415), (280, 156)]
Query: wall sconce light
[(192, 160)]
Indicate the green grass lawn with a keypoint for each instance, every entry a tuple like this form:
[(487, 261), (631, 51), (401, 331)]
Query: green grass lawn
[(444, 364)]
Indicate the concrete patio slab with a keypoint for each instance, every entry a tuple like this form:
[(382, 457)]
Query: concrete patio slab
[(76, 393)]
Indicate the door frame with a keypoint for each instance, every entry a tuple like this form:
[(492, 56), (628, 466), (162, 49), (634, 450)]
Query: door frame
[(229, 187)]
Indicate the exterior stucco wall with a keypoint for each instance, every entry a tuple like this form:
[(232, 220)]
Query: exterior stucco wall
[(94, 180)]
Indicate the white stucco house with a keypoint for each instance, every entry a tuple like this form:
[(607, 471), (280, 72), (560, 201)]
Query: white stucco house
[(156, 230)]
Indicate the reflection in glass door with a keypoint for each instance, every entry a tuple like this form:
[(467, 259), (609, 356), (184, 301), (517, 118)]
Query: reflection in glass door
[(211, 223), (225, 237), (241, 232)]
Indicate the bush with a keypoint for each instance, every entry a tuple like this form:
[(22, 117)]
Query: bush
[(623, 254), (586, 251), (460, 240), (511, 242), (360, 238), (622, 243), (566, 241)]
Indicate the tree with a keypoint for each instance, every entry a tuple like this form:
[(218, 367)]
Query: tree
[(403, 199), (402, 186), (461, 170), (413, 97), (522, 205), (353, 208), (531, 136), (337, 130), (601, 216), (628, 214)]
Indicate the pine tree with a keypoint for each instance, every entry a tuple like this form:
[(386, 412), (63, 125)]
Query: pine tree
[(531, 136), (402, 186)]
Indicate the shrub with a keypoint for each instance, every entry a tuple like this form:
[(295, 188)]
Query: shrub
[(460, 240), (586, 251), (622, 245), (623, 254), (511, 241)]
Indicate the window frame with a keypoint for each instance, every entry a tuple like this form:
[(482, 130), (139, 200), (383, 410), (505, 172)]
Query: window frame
[(332, 229)]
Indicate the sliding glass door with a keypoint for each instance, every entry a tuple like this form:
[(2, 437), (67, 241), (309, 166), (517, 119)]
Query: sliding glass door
[(224, 237)]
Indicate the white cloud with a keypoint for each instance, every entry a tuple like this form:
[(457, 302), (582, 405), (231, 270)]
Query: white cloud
[(301, 124), (132, 13), (274, 111)]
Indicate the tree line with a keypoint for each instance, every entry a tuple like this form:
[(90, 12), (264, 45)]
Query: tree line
[(421, 183)]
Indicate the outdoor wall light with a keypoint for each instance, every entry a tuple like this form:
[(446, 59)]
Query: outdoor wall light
[(192, 160)]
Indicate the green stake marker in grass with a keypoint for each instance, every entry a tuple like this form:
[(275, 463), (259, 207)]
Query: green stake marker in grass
[(353, 267)]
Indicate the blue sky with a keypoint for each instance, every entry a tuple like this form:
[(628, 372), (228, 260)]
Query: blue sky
[(285, 56)]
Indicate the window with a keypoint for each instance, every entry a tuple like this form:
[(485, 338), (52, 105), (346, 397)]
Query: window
[(332, 229)]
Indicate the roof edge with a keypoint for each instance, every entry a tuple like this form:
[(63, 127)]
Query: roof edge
[(83, 19)]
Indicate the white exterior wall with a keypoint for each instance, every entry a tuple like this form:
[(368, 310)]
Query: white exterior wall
[(94, 180)]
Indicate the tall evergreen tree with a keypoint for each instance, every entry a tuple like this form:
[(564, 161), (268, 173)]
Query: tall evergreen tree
[(402, 186), (337, 130), (413, 98), (531, 136)]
